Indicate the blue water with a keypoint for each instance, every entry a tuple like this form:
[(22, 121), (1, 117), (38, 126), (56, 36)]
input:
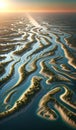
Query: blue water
[(62, 25)]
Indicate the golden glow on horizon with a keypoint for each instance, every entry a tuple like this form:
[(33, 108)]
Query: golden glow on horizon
[(43, 11), (11, 6)]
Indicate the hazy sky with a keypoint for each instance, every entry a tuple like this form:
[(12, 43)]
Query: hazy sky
[(46, 0), (41, 5), (48, 5)]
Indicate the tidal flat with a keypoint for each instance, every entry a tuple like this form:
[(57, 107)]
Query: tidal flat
[(38, 71)]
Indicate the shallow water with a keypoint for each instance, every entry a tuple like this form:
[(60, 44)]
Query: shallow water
[(36, 40)]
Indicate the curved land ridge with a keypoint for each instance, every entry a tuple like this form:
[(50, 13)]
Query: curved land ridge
[(33, 54)]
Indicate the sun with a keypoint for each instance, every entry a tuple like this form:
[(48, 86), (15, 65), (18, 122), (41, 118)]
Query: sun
[(3, 5)]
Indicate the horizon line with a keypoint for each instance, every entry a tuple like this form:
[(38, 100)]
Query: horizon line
[(40, 11)]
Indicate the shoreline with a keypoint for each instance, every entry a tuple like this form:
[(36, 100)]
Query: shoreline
[(25, 98)]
